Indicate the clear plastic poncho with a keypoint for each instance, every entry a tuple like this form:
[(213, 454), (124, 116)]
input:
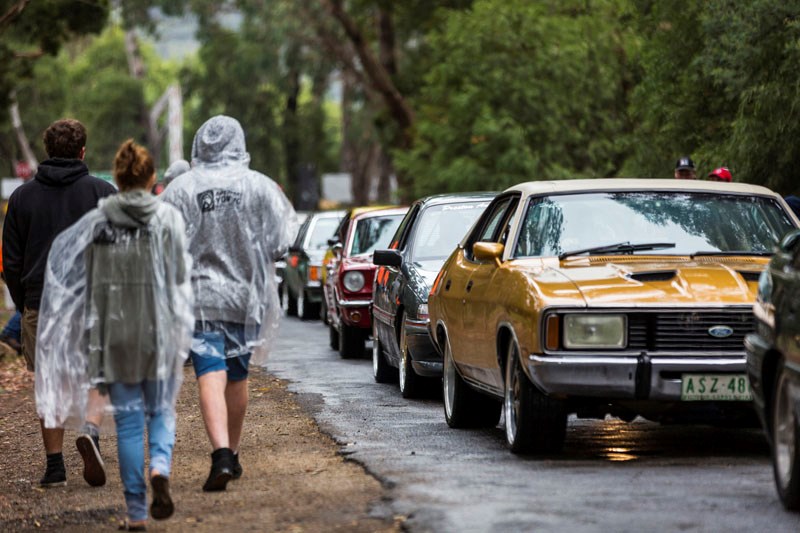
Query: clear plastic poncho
[(116, 308), (238, 224)]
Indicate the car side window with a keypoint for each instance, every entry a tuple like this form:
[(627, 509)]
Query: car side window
[(400, 238), (506, 224), (301, 235), (491, 225)]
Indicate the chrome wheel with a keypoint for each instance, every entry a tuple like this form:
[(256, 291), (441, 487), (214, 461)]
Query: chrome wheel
[(784, 425), (448, 380), (511, 397), (376, 352), (403, 359)]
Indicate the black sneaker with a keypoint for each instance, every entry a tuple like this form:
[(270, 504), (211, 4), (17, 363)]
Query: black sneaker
[(56, 474), (94, 470), (162, 506), (237, 467), (222, 462)]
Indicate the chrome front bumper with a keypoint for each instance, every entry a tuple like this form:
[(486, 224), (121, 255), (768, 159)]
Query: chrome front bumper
[(643, 377)]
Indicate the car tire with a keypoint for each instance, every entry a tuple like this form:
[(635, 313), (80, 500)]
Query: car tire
[(291, 302), (535, 423), (333, 337), (463, 406), (410, 382), (785, 429), (351, 342), (306, 310), (382, 371)]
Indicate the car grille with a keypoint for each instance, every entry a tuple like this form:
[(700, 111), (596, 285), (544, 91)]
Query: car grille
[(687, 331)]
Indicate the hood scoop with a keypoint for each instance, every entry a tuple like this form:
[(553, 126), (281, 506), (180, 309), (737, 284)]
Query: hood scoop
[(656, 275), (749, 275)]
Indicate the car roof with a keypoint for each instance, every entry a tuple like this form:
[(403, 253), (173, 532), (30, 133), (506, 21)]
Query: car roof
[(380, 211), (328, 214), (454, 198), (625, 184), (354, 212)]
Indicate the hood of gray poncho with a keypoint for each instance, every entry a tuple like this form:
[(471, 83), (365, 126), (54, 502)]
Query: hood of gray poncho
[(220, 140), (130, 209)]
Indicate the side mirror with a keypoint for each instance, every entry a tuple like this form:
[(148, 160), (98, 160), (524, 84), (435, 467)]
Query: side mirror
[(790, 242), (387, 258), (488, 251), (332, 241)]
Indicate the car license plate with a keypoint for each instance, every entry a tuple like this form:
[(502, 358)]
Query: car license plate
[(715, 387)]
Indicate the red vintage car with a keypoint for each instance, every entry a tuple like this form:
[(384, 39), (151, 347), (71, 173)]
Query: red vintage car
[(349, 281)]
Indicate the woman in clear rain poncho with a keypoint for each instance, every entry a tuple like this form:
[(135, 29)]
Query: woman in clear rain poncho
[(238, 223), (116, 317)]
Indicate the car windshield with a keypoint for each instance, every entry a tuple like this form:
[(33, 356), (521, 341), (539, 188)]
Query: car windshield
[(374, 232), (322, 230), (694, 222), (441, 228)]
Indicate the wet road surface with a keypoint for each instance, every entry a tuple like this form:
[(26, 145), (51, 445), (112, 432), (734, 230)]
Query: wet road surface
[(612, 475)]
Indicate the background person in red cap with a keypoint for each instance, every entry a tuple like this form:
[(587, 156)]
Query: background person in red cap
[(720, 174), (684, 169)]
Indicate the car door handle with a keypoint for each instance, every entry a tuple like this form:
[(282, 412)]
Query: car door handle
[(469, 286)]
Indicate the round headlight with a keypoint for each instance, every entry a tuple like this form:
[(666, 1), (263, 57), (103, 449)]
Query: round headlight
[(353, 281)]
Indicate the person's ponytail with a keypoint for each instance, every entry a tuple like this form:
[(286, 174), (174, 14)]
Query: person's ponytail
[(133, 166)]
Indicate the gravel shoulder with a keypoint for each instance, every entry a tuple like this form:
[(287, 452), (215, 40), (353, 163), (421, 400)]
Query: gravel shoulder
[(294, 478)]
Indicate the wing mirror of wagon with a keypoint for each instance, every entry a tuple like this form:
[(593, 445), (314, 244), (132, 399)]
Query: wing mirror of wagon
[(790, 242), (488, 251), (332, 241), (387, 258)]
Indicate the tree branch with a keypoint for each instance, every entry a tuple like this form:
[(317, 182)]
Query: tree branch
[(12, 13), (377, 74)]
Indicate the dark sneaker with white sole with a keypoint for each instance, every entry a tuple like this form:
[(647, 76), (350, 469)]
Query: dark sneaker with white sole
[(94, 470), (53, 477)]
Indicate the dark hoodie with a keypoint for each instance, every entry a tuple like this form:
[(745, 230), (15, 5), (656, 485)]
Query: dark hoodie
[(60, 194)]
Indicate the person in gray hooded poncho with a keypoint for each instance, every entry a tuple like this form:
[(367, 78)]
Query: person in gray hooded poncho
[(238, 223), (116, 316)]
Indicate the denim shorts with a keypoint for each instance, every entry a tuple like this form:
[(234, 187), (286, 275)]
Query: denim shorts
[(210, 344)]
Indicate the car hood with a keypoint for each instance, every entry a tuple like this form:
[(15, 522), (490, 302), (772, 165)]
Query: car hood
[(421, 276), (640, 282), (361, 261)]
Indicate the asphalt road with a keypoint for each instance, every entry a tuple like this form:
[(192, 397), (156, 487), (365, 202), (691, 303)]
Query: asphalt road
[(612, 475)]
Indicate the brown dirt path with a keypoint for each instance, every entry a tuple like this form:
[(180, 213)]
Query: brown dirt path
[(293, 480)]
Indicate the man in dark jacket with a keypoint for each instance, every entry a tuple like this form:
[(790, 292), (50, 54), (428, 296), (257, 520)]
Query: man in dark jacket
[(61, 193)]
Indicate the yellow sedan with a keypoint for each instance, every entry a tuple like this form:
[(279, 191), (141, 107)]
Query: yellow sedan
[(595, 297)]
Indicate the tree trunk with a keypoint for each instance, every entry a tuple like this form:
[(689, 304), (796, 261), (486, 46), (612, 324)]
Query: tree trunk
[(147, 119), (291, 141), (385, 169), (19, 130), (377, 74)]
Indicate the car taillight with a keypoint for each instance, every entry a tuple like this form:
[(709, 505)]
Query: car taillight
[(313, 273)]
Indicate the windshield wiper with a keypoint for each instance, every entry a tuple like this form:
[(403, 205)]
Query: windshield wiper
[(735, 252), (620, 247)]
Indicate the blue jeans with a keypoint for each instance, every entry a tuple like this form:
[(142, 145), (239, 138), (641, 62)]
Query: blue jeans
[(13, 328), (135, 405)]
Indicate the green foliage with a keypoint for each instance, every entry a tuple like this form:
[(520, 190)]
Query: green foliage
[(522, 91), (720, 82)]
